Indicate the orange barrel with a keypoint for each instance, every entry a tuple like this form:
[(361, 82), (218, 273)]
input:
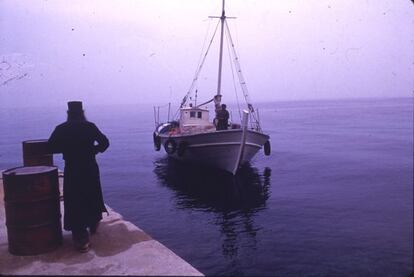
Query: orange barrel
[(37, 152), (31, 198)]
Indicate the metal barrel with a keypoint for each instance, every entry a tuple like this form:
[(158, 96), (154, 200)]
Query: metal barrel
[(33, 218), (37, 152)]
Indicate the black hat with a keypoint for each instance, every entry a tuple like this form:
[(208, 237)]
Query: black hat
[(75, 107)]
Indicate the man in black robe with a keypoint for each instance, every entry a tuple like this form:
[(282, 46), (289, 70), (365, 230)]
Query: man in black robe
[(79, 141)]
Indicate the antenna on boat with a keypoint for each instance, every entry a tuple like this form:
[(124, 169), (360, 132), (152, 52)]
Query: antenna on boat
[(169, 109)]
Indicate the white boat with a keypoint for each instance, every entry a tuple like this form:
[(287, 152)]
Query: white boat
[(193, 137)]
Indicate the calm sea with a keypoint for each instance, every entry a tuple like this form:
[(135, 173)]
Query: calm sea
[(335, 198)]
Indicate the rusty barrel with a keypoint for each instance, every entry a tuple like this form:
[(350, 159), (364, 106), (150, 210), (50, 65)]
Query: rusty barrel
[(37, 152), (31, 198)]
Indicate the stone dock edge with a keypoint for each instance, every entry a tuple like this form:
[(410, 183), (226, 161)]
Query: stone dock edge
[(118, 248)]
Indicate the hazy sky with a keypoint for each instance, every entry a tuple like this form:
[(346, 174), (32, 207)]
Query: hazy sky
[(144, 51)]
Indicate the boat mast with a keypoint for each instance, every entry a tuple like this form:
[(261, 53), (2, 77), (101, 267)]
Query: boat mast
[(222, 19)]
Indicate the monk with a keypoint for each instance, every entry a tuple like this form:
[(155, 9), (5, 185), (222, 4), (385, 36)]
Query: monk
[(79, 141)]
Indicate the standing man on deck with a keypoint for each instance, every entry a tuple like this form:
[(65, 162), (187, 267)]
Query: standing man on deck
[(83, 200), (222, 116)]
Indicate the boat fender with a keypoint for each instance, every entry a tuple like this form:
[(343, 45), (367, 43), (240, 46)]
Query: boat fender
[(157, 141), (170, 146), (266, 148), (182, 147)]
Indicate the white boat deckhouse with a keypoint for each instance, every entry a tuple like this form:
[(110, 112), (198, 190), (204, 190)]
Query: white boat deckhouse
[(192, 135)]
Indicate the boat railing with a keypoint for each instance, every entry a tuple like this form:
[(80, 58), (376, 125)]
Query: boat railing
[(254, 121), (157, 113)]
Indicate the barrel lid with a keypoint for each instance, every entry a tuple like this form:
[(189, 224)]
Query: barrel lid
[(35, 141), (27, 170)]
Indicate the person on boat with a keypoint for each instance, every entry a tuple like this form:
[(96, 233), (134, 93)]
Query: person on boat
[(83, 200), (222, 117)]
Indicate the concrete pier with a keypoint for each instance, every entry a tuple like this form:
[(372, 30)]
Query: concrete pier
[(118, 248)]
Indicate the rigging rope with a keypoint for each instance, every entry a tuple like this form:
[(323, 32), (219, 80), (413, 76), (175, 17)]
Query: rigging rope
[(238, 68), (232, 74), (198, 69), (204, 42), (242, 82), (199, 66)]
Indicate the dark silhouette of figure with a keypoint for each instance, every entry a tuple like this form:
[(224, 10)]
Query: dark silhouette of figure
[(222, 116), (83, 201)]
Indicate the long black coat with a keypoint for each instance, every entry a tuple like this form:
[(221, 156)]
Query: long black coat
[(83, 200)]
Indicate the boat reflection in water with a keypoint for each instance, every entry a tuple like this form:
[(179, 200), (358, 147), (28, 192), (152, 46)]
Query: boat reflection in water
[(234, 200)]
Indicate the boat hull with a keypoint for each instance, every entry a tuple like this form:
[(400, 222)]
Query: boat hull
[(219, 149)]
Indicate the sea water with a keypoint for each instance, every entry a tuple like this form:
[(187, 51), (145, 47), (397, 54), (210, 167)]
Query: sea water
[(335, 198)]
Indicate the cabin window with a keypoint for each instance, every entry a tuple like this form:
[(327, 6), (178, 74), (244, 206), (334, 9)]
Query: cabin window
[(192, 114), (198, 114)]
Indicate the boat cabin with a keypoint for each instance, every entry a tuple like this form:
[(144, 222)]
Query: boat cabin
[(195, 119)]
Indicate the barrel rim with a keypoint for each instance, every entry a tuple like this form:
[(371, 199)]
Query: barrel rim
[(31, 169), (35, 141)]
